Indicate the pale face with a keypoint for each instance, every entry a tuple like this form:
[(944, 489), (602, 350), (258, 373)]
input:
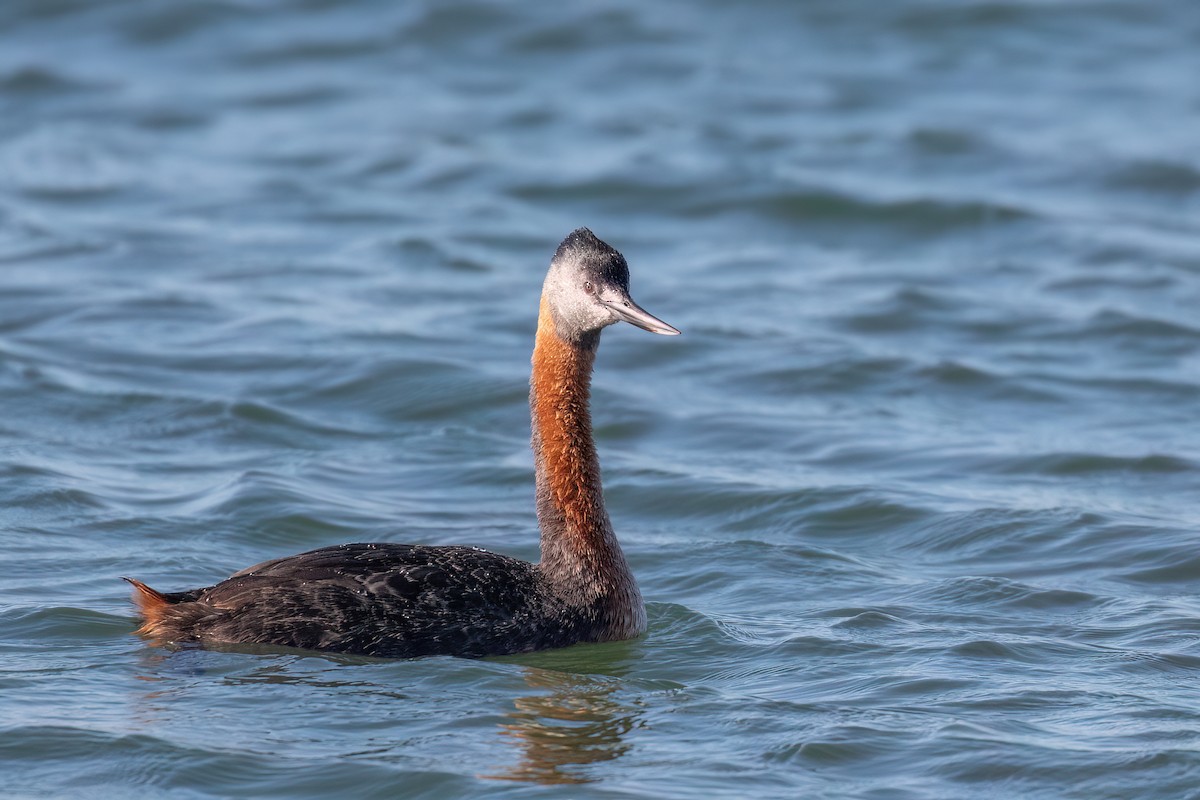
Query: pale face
[(587, 288)]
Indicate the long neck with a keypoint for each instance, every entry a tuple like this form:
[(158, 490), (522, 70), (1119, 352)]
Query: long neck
[(580, 554)]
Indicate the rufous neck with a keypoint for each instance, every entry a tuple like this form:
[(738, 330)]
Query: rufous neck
[(578, 543)]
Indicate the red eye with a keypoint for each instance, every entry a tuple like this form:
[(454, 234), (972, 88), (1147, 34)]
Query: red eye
[(587, 287)]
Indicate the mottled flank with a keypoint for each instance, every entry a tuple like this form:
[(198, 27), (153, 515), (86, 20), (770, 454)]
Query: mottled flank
[(401, 601), (391, 600)]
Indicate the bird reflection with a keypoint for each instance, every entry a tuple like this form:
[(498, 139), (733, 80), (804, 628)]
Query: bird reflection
[(578, 722), (562, 723)]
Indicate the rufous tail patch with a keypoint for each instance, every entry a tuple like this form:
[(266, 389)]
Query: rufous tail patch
[(151, 604)]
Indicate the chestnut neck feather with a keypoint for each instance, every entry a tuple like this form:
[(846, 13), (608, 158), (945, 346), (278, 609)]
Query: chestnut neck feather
[(580, 553)]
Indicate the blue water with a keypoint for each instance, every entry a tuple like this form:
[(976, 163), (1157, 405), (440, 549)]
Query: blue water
[(913, 501)]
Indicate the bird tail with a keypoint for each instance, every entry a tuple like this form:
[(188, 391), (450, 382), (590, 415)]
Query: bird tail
[(152, 604)]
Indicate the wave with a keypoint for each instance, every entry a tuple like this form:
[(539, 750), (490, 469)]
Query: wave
[(41, 758)]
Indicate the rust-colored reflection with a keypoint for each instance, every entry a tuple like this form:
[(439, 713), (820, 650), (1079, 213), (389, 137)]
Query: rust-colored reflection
[(576, 723), (149, 704)]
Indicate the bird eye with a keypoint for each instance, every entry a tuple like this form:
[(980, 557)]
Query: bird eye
[(587, 287)]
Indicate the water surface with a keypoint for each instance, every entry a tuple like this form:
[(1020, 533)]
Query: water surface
[(912, 500)]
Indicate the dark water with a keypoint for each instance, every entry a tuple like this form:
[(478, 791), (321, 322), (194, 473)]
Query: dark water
[(913, 500)]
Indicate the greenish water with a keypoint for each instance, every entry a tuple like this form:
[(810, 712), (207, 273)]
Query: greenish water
[(912, 501)]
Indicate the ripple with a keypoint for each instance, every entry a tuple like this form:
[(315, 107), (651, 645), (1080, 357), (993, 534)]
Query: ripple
[(837, 376), (182, 19), (948, 141), (64, 624), (975, 590), (861, 745), (1085, 464), (1165, 177), (928, 215), (416, 390), (24, 240), (37, 79), (323, 49), (69, 162), (985, 383), (447, 24), (863, 515), (870, 620), (1184, 570), (300, 96), (593, 29), (608, 190), (988, 649), (1145, 332), (136, 761)]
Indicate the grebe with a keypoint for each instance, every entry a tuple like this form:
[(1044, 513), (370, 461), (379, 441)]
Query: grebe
[(403, 600)]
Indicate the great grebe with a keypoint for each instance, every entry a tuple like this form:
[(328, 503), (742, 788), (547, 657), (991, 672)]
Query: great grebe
[(403, 600)]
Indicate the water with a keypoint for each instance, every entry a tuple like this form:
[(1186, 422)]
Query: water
[(913, 499)]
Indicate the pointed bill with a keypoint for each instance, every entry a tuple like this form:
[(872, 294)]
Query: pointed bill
[(634, 314)]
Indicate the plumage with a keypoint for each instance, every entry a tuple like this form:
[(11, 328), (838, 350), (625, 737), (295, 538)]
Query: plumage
[(403, 600)]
